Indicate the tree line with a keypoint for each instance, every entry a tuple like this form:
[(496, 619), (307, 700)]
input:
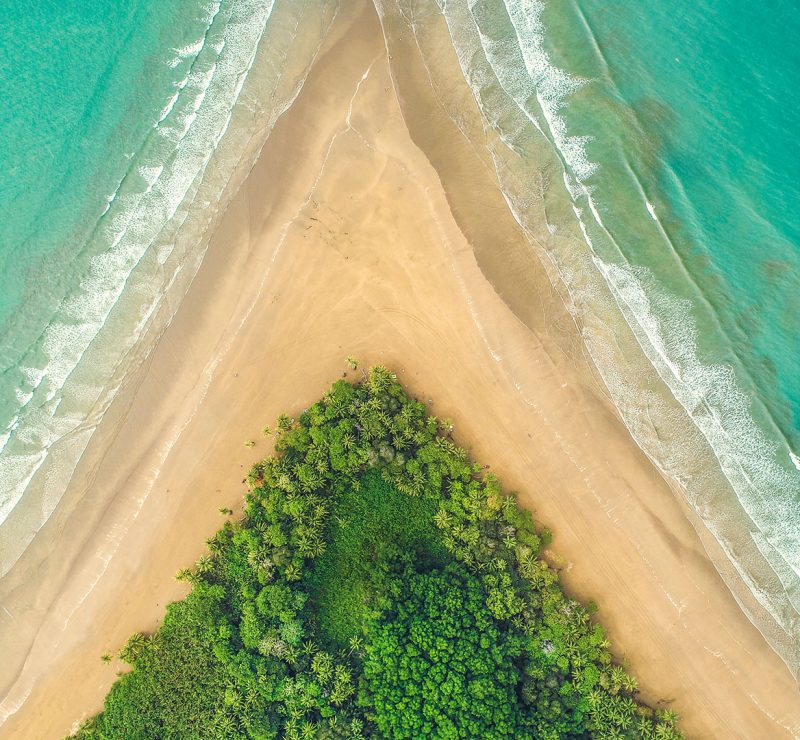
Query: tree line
[(380, 584)]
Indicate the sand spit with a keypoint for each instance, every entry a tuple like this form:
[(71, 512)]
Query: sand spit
[(344, 241)]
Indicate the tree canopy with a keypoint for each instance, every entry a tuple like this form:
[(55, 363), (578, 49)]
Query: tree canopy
[(380, 584), (438, 664)]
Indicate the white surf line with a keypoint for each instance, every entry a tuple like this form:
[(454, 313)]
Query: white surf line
[(544, 256), (794, 458), (584, 191), (112, 297), (8, 706), (210, 369), (678, 606), (558, 271), (470, 303)]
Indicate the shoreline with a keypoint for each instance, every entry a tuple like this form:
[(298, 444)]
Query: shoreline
[(674, 425), (342, 242), (159, 280)]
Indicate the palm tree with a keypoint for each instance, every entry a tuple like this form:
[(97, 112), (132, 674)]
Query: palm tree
[(476, 498), (630, 683), (666, 732), (133, 647), (578, 661), (420, 437), (233, 698), (528, 565), (624, 719), (310, 544), (290, 730), (285, 483), (317, 548), (644, 726), (442, 519), (188, 575), (225, 725), (668, 716), (595, 700), (618, 678)]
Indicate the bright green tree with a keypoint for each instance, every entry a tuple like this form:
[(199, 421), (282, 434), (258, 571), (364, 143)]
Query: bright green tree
[(439, 665)]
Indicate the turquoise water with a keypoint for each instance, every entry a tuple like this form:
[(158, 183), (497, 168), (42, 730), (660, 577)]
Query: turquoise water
[(123, 129), (70, 126), (85, 85), (690, 110), (710, 89), (649, 151)]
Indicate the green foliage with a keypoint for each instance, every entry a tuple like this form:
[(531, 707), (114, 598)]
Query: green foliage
[(370, 527), (378, 585), (438, 664), (180, 685)]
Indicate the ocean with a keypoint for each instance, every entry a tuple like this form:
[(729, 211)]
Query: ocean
[(648, 150), (656, 142), (125, 127)]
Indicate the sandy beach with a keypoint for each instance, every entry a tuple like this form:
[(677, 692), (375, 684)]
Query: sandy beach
[(363, 232)]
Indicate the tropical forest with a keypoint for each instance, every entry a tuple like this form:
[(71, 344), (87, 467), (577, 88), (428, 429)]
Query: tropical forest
[(380, 584)]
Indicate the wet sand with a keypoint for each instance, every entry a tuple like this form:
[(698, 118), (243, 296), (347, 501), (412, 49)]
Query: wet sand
[(346, 240)]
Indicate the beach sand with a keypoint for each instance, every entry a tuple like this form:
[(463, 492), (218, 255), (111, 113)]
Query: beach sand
[(345, 240)]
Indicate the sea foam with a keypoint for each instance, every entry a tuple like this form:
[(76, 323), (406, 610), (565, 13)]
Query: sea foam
[(516, 86), (149, 243)]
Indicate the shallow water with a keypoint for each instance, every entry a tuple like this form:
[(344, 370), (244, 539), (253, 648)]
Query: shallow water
[(655, 143), (85, 89), (691, 110), (648, 151), (125, 129)]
